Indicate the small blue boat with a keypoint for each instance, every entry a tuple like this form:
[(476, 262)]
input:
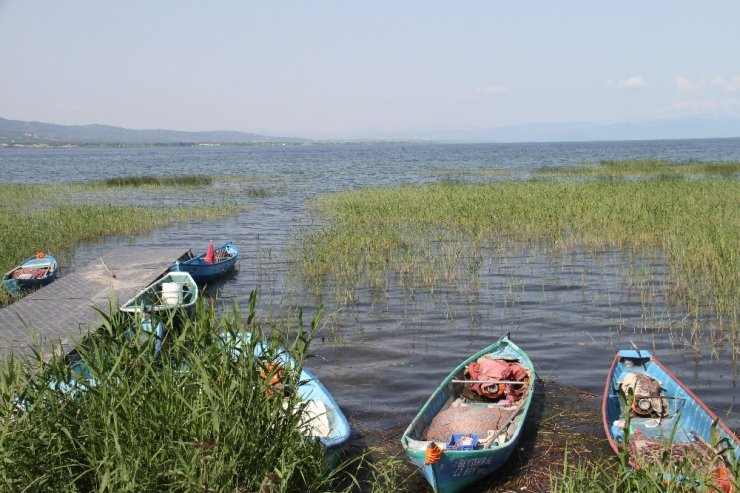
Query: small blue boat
[(659, 411), (32, 273), (455, 440), (323, 419), (207, 267), (143, 331)]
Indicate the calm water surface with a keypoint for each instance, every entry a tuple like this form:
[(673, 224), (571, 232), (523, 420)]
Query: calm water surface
[(383, 354)]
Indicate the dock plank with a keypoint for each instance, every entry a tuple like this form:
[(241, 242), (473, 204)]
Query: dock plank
[(63, 311)]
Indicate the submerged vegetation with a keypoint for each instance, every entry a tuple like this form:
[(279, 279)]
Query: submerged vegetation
[(431, 233)]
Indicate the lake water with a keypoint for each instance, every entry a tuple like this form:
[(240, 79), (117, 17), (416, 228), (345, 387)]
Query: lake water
[(382, 355)]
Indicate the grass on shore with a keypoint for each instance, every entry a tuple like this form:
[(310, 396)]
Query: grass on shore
[(428, 231), (199, 416)]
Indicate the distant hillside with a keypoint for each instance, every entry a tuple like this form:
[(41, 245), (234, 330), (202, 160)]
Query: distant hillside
[(15, 132)]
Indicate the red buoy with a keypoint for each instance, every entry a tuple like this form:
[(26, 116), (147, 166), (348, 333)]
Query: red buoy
[(210, 257)]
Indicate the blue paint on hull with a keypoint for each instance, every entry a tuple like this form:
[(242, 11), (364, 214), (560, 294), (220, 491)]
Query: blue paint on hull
[(688, 416), (457, 469), (16, 286), (203, 271)]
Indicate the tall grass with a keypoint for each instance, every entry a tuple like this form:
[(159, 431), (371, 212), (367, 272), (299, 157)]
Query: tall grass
[(160, 181), (31, 220), (199, 416), (406, 230), (646, 167)]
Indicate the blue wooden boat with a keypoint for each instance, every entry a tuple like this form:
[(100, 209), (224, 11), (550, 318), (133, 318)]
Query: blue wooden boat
[(172, 290), (643, 396), (202, 270), (482, 434), (144, 330), (323, 419), (34, 272)]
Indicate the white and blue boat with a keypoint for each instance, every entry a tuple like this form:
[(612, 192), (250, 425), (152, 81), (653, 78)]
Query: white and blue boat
[(650, 407), (174, 290), (209, 265), (322, 417), (480, 435), (32, 273)]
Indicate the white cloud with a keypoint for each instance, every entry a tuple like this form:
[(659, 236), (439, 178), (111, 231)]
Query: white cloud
[(480, 91), (685, 84), (634, 82), (698, 108), (730, 85)]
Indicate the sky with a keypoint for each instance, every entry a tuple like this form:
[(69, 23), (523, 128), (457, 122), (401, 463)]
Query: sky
[(380, 69)]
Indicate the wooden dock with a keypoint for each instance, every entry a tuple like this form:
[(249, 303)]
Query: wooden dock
[(63, 311)]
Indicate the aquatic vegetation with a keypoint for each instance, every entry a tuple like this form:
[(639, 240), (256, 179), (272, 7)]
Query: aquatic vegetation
[(166, 181), (198, 416), (645, 168), (435, 233), (470, 172), (32, 220)]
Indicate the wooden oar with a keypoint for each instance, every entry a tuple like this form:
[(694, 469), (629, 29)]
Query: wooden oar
[(497, 433)]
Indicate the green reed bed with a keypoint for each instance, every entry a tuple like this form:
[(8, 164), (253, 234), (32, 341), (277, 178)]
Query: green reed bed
[(158, 181), (198, 416), (32, 219), (409, 229), (646, 167)]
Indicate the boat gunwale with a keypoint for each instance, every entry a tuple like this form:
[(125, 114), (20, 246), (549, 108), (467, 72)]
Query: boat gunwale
[(522, 411), (52, 263), (652, 359), (136, 308)]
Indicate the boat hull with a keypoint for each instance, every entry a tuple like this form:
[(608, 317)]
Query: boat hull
[(203, 271), (159, 297), (457, 469), (15, 281), (310, 389), (688, 419)]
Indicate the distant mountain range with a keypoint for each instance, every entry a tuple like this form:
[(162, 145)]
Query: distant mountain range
[(22, 133), (15, 132)]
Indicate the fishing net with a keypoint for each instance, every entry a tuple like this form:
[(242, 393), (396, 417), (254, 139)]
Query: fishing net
[(466, 420), (29, 273)]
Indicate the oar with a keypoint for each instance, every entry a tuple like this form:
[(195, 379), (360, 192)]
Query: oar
[(505, 427), (106, 268)]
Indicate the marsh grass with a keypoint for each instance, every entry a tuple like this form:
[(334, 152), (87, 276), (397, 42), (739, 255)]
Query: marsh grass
[(434, 233), (32, 219), (199, 416), (645, 168), (158, 181), (463, 172)]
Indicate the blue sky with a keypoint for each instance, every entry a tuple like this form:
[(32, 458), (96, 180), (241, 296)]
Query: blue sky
[(331, 69)]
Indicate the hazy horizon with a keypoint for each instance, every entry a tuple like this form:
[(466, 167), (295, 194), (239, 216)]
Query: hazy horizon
[(332, 70)]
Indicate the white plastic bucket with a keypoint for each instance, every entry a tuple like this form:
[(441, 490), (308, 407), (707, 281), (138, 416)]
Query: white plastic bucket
[(172, 292)]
